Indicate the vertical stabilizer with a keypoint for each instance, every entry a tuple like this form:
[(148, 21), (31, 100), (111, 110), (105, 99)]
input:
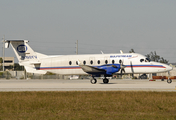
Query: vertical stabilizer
[(25, 55), (22, 50)]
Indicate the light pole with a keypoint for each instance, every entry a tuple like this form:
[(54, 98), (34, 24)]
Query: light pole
[(3, 51)]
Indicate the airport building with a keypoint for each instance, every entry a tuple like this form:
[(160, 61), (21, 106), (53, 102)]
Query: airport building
[(8, 61)]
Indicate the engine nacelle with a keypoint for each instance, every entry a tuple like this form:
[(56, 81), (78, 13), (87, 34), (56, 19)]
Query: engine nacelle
[(110, 69)]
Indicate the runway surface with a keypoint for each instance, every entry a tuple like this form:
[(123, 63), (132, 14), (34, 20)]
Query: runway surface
[(85, 85)]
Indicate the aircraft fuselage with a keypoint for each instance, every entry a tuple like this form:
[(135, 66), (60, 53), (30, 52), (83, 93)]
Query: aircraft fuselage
[(68, 64)]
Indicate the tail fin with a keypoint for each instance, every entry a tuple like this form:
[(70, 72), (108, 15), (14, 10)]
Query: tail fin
[(25, 55), (22, 50)]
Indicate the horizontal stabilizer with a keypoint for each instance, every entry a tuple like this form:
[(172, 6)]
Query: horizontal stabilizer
[(35, 63), (32, 70)]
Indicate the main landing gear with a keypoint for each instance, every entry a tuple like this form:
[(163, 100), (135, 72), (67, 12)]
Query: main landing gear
[(94, 81), (105, 80)]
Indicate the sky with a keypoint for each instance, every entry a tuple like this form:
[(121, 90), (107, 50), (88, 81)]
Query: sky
[(53, 26)]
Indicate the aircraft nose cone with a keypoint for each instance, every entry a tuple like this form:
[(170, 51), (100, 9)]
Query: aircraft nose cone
[(169, 68)]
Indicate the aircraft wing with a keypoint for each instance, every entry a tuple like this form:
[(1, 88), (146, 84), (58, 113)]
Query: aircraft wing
[(91, 69)]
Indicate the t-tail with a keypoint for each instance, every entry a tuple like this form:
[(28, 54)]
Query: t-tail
[(26, 56)]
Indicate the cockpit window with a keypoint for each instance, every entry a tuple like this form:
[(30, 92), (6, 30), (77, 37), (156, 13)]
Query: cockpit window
[(141, 60), (147, 60)]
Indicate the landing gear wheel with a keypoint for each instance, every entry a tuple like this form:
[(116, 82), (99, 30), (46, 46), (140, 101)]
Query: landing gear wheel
[(93, 81), (106, 81), (169, 81)]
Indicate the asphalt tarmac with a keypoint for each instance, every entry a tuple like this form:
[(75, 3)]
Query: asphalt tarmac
[(85, 85)]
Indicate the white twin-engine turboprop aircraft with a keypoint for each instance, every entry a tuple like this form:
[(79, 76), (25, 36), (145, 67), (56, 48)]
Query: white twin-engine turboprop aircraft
[(95, 64)]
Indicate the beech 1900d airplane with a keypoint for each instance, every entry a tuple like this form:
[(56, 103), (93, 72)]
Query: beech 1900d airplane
[(95, 64)]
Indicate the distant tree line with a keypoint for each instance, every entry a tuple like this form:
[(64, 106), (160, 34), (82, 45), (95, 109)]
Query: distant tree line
[(153, 56), (17, 67), (132, 51)]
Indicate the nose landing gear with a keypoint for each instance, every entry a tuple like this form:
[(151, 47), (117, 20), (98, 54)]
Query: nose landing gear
[(169, 80)]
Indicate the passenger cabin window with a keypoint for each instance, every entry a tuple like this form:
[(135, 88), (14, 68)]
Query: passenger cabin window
[(106, 61), (76, 62), (113, 61), (70, 62), (98, 61), (84, 62), (91, 62)]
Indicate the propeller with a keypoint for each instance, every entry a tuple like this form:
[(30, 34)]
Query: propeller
[(122, 67), (132, 70)]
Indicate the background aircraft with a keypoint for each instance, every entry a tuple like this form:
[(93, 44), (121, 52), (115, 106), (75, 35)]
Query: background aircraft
[(94, 64)]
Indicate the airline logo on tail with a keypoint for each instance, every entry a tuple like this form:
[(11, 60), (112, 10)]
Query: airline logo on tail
[(22, 48)]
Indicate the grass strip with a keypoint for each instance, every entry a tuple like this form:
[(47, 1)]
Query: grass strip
[(88, 105)]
